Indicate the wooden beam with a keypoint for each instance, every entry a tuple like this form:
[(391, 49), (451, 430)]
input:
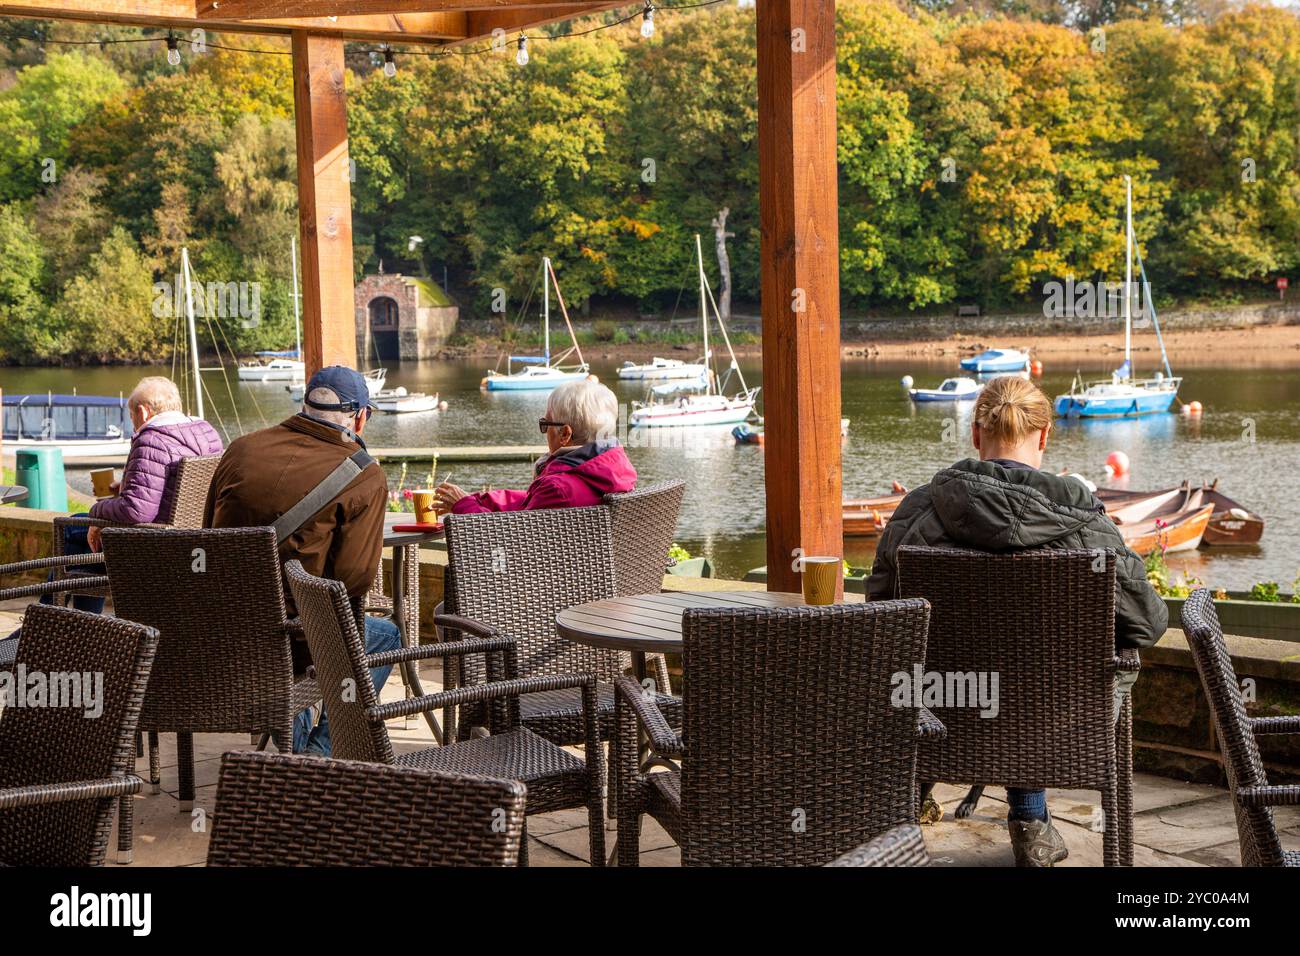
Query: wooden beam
[(329, 332), (280, 9), (799, 257), (183, 15), (480, 24)]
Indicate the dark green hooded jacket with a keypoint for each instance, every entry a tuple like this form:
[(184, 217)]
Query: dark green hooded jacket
[(988, 507)]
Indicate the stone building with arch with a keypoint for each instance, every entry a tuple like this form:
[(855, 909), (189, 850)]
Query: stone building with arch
[(407, 318)]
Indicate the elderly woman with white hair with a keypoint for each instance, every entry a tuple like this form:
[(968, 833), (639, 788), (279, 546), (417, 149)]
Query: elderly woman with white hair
[(585, 461)]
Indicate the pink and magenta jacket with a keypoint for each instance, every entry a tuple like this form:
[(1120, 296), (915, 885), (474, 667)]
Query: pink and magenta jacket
[(571, 478), (149, 480)]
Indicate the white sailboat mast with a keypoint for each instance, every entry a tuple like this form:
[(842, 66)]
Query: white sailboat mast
[(194, 341), (297, 322), (704, 318), (546, 307), (1128, 274)]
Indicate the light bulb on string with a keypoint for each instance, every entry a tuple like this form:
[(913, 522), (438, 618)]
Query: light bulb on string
[(648, 21), (521, 57), (173, 52), (390, 67)]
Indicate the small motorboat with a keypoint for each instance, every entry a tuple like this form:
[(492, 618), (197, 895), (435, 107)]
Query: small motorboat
[(397, 401), (1230, 523), (952, 390), (276, 370), (997, 360), (867, 517), (1173, 520), (375, 378), (662, 369)]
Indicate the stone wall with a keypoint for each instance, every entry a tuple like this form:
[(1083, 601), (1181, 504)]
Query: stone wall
[(1035, 323)]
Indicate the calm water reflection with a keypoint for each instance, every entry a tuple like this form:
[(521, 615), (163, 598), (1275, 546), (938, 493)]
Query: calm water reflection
[(1248, 437)]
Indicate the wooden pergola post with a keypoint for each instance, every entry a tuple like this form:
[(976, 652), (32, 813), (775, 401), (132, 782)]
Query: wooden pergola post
[(329, 334), (799, 256)]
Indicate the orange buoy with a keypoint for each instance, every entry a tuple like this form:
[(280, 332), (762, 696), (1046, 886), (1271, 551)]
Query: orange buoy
[(1192, 408), (482, 383), (1117, 463), (593, 378), (1035, 368)]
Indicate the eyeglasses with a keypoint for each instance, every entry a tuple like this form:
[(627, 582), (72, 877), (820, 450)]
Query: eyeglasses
[(545, 423)]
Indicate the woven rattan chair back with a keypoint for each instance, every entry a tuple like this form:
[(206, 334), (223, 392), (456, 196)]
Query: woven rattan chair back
[(1043, 623), (188, 481), (216, 600), (643, 523), (42, 745), (516, 570), (279, 810), (1260, 844), (795, 753), (339, 655)]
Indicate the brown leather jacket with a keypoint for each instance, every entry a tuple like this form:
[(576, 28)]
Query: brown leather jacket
[(265, 473)]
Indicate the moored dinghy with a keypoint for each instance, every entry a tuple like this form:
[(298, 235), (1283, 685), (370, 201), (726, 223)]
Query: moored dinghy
[(1173, 520), (952, 390), (997, 360)]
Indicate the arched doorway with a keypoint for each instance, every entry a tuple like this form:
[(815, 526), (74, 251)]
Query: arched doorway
[(384, 339)]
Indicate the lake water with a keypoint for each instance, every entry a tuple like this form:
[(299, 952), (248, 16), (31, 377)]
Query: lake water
[(1248, 438)]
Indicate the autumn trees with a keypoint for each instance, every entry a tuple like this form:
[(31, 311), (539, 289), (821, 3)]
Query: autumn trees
[(980, 156)]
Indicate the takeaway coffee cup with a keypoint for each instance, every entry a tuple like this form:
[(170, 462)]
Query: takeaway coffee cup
[(821, 575), (102, 479), (426, 508)]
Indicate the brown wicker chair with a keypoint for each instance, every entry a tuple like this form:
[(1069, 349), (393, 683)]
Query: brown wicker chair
[(281, 810), (900, 846), (555, 778), (1044, 622), (192, 477), (643, 524), (61, 773), (514, 571), (224, 664), (9, 646), (793, 752), (1253, 797)]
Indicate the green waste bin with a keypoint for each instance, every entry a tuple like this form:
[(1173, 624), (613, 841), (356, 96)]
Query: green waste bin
[(40, 471)]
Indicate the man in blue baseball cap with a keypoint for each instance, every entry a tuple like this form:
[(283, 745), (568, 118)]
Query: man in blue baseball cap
[(310, 479)]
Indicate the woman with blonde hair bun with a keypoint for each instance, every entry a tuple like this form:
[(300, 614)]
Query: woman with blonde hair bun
[(1004, 502)]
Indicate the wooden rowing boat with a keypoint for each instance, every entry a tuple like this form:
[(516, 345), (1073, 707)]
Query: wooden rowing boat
[(1230, 524), (1174, 520), (867, 517)]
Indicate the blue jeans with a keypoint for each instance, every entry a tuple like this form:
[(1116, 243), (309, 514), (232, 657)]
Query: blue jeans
[(1032, 804), (381, 635)]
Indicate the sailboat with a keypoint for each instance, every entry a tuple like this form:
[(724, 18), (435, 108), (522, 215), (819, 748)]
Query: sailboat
[(375, 377), (538, 371), (1123, 396), (705, 403)]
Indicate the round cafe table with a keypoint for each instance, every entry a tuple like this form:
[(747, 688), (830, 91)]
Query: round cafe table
[(652, 623), (12, 493)]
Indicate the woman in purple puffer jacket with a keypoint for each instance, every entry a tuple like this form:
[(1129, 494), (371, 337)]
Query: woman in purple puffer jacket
[(163, 436)]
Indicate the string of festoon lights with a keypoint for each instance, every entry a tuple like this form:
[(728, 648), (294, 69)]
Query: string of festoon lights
[(389, 54)]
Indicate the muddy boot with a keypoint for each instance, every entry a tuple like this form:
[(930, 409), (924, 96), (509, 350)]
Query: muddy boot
[(1036, 842)]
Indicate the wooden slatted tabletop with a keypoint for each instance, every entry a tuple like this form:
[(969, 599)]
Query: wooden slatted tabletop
[(652, 623)]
